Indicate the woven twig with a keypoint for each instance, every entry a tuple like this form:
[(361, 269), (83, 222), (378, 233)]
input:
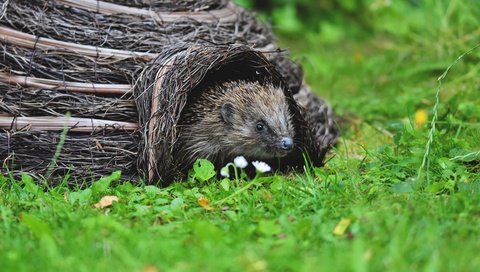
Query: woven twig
[(85, 156), (65, 85), (53, 20), (18, 38), (31, 102), (223, 14), (74, 124)]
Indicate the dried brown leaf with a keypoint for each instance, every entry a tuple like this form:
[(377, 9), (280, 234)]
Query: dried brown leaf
[(205, 203), (106, 201)]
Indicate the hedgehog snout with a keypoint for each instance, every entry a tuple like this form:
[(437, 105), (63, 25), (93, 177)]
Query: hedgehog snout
[(286, 143)]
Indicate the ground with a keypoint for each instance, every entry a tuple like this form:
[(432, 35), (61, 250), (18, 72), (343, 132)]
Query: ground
[(400, 191)]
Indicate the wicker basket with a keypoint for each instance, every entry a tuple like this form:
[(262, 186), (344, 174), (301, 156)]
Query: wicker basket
[(124, 71)]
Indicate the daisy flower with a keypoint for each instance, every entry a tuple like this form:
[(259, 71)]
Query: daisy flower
[(224, 172), (261, 167), (240, 162)]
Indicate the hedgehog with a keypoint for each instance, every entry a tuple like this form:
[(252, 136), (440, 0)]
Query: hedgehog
[(235, 118)]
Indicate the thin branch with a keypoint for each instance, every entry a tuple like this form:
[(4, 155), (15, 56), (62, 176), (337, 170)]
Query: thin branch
[(34, 82), (74, 124), (19, 38), (224, 15)]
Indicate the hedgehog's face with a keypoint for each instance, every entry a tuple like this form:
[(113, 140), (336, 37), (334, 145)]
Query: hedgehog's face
[(259, 123)]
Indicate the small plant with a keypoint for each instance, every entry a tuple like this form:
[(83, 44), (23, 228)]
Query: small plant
[(238, 162), (203, 170)]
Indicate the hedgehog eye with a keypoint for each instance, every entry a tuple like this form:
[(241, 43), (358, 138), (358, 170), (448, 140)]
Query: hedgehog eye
[(260, 127)]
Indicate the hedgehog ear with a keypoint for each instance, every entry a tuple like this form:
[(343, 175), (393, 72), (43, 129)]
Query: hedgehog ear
[(227, 112)]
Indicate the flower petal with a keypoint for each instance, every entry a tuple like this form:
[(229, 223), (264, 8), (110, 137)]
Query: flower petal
[(240, 162), (261, 167), (224, 172)]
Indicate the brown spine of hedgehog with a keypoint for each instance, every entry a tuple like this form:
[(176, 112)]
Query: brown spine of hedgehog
[(235, 118)]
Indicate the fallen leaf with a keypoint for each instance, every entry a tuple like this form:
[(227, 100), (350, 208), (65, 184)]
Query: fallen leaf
[(150, 269), (358, 57), (106, 201), (342, 226), (367, 255), (421, 117), (204, 203)]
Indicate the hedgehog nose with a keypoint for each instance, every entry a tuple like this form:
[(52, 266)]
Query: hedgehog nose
[(286, 143)]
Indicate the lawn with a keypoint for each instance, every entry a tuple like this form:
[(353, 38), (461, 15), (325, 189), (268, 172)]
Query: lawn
[(400, 190)]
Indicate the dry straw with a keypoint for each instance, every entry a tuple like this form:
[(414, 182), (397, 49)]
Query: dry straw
[(125, 70)]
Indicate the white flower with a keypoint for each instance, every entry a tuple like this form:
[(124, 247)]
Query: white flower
[(224, 172), (261, 166), (240, 162)]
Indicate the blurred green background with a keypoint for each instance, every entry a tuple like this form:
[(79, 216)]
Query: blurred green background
[(377, 63)]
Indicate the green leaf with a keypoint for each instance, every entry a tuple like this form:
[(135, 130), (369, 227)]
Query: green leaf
[(436, 187), (276, 186), (103, 183), (206, 231), (38, 227), (177, 204), (204, 170), (3, 180), (446, 163), (82, 197), (151, 191), (231, 215), (161, 201), (141, 210), (268, 227), (473, 187), (30, 186), (225, 183), (402, 187)]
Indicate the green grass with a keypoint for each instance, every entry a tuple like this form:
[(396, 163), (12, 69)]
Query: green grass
[(377, 75)]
